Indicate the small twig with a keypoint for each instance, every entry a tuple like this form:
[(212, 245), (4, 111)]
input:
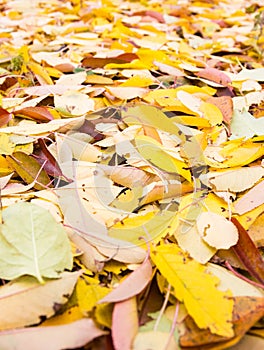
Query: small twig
[(255, 284), (163, 308), (173, 326)]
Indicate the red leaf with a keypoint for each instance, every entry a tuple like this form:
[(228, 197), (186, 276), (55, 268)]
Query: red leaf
[(248, 253), (51, 166), (5, 117), (40, 114)]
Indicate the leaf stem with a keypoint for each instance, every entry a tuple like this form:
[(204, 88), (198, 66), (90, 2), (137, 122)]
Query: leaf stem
[(163, 308), (255, 284)]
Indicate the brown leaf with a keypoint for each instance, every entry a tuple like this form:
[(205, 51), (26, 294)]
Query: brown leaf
[(98, 62), (40, 114), (89, 128), (214, 75), (248, 253), (247, 311), (28, 169)]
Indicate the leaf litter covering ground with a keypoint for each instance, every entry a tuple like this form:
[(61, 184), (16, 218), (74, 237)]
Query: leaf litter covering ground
[(131, 174)]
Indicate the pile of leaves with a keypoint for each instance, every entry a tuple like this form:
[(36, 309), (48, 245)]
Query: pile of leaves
[(131, 175)]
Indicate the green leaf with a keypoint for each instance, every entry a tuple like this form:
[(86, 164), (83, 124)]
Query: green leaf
[(32, 243)]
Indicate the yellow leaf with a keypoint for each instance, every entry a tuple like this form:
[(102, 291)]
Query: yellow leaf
[(151, 226), (4, 167), (103, 314), (70, 315), (89, 294), (138, 81), (40, 72), (208, 306), (98, 79), (150, 116), (152, 151), (211, 113), (136, 64), (6, 146)]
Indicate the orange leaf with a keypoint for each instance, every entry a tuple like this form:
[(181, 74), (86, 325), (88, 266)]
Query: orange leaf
[(99, 62), (41, 114)]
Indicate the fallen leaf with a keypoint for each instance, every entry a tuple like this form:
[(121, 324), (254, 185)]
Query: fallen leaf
[(235, 180), (71, 336), (5, 117), (73, 103), (132, 285), (29, 170), (216, 230), (247, 311), (243, 124), (127, 92), (24, 301), (248, 253), (209, 307), (36, 113), (214, 75), (252, 199), (38, 246), (154, 341), (99, 62), (124, 324)]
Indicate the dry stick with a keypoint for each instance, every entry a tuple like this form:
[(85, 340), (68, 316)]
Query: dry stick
[(255, 284), (173, 326), (163, 308)]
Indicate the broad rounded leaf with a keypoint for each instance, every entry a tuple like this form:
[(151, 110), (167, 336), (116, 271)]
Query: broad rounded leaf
[(217, 231), (32, 243)]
